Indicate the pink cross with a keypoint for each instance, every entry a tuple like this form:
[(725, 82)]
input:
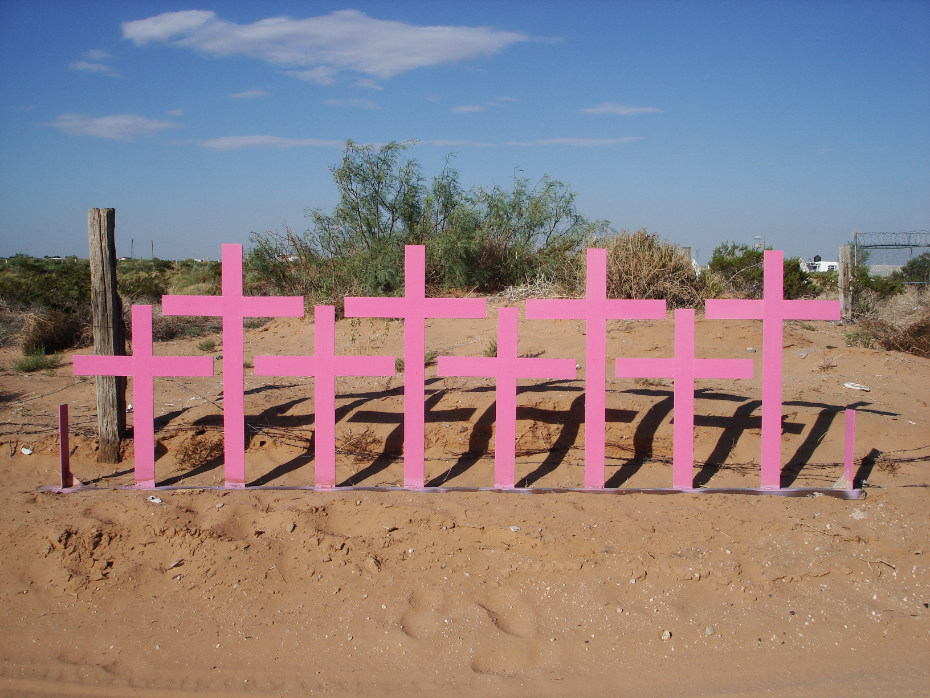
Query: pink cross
[(773, 310), (596, 310), (506, 368), (684, 369), (142, 367), (233, 307), (415, 308), (325, 366)]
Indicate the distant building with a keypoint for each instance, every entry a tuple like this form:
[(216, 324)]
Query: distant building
[(818, 265)]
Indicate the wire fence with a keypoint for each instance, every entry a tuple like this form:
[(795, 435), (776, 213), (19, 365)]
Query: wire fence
[(885, 253)]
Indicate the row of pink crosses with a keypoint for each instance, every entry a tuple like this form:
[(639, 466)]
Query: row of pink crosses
[(595, 309)]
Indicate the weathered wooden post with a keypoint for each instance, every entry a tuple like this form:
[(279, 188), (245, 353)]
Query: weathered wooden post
[(109, 335), (845, 273)]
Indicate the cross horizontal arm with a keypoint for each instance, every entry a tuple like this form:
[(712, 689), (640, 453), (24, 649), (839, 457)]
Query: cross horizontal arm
[(376, 307), (192, 305), (811, 310), (723, 368), (103, 365), (563, 309), (645, 368), (182, 366), (733, 310), (468, 366)]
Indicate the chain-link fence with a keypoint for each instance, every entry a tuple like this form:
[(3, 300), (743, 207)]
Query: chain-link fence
[(904, 255)]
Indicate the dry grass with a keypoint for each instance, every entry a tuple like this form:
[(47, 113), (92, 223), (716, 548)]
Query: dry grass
[(901, 322), (198, 449), (50, 331), (887, 464), (642, 265)]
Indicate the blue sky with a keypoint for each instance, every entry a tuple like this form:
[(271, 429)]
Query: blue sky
[(706, 122)]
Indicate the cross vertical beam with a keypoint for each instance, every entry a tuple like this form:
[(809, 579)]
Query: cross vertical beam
[(324, 366), (506, 368), (414, 308), (773, 310), (684, 369), (143, 367), (595, 309), (233, 307)]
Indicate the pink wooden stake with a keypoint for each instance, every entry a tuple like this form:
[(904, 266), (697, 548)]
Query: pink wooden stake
[(773, 310), (324, 367), (64, 450), (849, 452), (143, 367), (415, 308), (233, 307), (506, 368), (595, 309), (684, 369)]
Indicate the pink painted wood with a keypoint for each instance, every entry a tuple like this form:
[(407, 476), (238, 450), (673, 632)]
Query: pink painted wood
[(324, 366), (684, 369), (233, 307), (595, 309), (773, 310), (506, 368), (143, 367), (849, 452), (414, 307)]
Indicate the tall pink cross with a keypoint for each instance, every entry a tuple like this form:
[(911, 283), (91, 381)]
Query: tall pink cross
[(414, 307), (324, 367), (684, 369), (773, 310), (143, 367), (506, 367), (233, 307), (595, 309)]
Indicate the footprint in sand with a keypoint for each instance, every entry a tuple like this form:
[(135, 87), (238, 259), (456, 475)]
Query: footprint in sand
[(423, 619)]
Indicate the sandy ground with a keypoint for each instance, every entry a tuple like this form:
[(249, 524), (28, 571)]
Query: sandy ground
[(295, 592)]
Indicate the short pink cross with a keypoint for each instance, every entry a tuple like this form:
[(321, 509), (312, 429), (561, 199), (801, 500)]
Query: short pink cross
[(506, 368), (415, 308), (773, 310), (142, 367), (233, 307), (596, 310), (684, 369), (324, 367)]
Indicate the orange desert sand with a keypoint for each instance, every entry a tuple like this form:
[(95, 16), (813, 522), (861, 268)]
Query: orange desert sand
[(389, 593)]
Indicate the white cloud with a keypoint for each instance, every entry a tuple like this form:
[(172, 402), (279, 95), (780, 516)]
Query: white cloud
[(465, 144), (356, 103), (320, 75), (94, 64), (174, 112), (580, 142), (341, 40), (248, 94), (507, 99), (122, 127), (239, 142), (466, 109), (97, 54), (620, 109), (368, 84)]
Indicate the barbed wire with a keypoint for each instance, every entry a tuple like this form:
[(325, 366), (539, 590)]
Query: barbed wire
[(890, 240)]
